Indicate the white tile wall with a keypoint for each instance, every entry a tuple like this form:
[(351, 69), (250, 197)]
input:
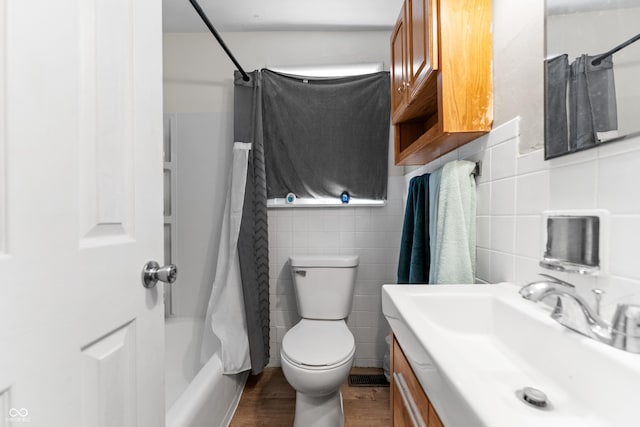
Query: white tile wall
[(371, 233), (514, 190)]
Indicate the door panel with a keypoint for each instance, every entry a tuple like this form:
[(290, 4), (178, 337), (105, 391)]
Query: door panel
[(109, 382), (106, 124), (81, 186), (3, 158)]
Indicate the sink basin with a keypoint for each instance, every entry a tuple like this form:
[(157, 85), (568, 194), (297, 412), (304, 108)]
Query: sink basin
[(474, 347)]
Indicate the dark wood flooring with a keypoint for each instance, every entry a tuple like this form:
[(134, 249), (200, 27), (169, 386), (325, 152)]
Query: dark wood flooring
[(268, 400)]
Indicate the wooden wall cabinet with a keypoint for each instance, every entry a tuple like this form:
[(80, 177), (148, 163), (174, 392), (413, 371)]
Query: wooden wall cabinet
[(442, 89), (410, 406)]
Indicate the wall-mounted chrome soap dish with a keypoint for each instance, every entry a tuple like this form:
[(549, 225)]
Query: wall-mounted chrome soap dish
[(574, 241)]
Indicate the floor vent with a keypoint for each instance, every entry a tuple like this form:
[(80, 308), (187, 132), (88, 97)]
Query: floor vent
[(368, 381)]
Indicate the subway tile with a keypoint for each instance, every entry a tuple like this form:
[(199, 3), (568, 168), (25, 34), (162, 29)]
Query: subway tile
[(370, 287), (393, 207), (532, 193), (366, 351), (617, 183), (315, 223), (504, 132), (395, 187), (473, 147), (346, 223), (324, 239), (527, 270), (284, 239), (483, 205), (531, 162), (284, 219), (364, 223), (503, 234), (377, 255), (365, 334), (619, 147), (347, 239), (575, 158), (503, 197), (449, 157), (624, 251), (483, 264), (483, 232), (529, 236), (503, 156), (502, 267), (573, 186), (380, 272), (300, 239)]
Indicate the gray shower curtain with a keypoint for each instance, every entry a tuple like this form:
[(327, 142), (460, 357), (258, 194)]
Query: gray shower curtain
[(253, 242)]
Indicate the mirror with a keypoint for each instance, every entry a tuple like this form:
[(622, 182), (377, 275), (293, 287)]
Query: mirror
[(592, 73)]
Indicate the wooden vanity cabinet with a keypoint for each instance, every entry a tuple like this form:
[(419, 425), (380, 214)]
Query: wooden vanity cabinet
[(410, 406), (442, 91)]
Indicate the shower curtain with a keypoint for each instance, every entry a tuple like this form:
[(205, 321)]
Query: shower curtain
[(253, 243), (226, 311)]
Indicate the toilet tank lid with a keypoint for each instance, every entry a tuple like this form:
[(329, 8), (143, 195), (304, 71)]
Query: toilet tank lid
[(324, 260)]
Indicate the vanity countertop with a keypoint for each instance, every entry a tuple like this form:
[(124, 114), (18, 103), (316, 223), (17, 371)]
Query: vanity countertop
[(475, 347)]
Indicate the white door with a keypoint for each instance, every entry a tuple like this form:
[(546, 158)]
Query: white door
[(81, 340)]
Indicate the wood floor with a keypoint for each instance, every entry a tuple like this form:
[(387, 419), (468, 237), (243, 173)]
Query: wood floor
[(268, 400)]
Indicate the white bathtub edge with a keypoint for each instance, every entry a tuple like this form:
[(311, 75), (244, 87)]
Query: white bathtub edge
[(234, 405)]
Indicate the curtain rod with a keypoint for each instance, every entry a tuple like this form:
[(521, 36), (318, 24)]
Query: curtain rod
[(209, 25), (598, 59)]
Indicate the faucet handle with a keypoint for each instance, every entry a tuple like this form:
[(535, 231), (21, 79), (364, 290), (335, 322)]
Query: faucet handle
[(598, 295), (625, 328)]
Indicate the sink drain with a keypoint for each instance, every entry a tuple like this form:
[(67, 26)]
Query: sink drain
[(534, 397)]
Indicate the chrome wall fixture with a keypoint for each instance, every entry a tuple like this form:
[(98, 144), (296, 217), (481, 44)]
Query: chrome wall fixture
[(573, 244)]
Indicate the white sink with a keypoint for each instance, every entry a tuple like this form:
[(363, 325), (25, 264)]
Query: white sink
[(473, 347)]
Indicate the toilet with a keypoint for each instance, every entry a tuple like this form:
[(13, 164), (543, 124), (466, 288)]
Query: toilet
[(317, 353)]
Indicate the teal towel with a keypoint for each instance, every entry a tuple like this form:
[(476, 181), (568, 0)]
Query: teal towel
[(413, 265), (453, 245)]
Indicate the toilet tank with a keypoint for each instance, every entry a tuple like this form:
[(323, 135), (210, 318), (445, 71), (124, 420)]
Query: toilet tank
[(324, 285)]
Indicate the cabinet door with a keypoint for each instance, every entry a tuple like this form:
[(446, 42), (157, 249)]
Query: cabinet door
[(434, 419), (398, 84), (415, 400), (422, 44)]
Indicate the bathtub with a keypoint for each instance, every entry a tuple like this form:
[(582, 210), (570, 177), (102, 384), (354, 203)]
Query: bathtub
[(196, 394)]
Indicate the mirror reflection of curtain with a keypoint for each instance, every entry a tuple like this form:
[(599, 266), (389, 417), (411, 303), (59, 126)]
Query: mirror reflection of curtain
[(555, 125), (580, 104), (593, 112)]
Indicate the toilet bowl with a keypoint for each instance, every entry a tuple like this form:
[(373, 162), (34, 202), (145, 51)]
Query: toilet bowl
[(317, 353), (316, 357)]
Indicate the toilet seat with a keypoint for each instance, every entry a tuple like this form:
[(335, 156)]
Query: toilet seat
[(318, 344)]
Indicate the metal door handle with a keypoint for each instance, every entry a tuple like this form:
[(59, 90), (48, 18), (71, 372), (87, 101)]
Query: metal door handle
[(152, 272)]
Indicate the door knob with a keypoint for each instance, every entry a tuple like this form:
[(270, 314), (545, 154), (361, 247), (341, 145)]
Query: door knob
[(152, 272)]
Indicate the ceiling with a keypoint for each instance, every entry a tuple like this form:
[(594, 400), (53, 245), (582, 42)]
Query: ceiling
[(326, 15), (281, 15), (562, 7)]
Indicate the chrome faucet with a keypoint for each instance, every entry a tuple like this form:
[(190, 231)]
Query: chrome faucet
[(573, 312)]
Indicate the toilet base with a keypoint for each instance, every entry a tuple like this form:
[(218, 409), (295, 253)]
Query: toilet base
[(319, 411)]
